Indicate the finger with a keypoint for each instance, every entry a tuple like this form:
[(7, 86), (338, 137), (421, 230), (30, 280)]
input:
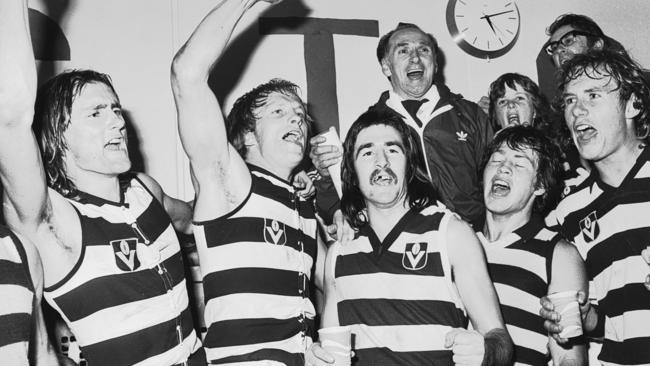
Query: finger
[(450, 337), (332, 231), (316, 140), (546, 303)]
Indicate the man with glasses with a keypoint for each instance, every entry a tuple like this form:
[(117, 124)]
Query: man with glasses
[(574, 34)]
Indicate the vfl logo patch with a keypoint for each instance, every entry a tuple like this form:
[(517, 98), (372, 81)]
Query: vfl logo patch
[(590, 227), (274, 232), (126, 256), (415, 256)]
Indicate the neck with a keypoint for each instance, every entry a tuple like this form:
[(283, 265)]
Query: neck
[(613, 169), (382, 219), (281, 171), (99, 185), (499, 225)]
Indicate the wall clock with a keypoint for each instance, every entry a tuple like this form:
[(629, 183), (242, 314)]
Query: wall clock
[(483, 28)]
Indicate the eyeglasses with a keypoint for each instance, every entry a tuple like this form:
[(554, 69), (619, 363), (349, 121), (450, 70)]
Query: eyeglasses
[(566, 40)]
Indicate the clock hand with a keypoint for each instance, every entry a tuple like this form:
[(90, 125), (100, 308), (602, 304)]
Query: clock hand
[(495, 14), (487, 18)]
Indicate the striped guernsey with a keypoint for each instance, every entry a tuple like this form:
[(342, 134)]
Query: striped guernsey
[(125, 300), (257, 263)]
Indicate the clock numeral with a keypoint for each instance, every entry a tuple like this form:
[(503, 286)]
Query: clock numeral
[(474, 41), (463, 31)]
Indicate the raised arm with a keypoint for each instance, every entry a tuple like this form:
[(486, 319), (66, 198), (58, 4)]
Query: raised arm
[(220, 176), (21, 169), (480, 299)]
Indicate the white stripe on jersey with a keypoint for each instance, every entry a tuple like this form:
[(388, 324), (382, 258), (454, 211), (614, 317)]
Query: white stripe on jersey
[(261, 255), (522, 299), (389, 286), (620, 273), (527, 339), (632, 324), (255, 306), (400, 338), (16, 299)]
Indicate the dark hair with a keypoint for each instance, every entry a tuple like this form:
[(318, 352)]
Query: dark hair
[(420, 191), (585, 24), (579, 22), (242, 116), (52, 117), (382, 46), (541, 107), (628, 75), (549, 166)]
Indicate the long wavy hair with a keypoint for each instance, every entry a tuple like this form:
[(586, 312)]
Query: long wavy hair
[(628, 76), (420, 192), (52, 111)]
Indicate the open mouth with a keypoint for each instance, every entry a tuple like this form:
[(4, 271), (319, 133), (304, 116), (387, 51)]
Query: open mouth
[(584, 132), (293, 136), (383, 177), (415, 74), (500, 187), (513, 119), (116, 143)]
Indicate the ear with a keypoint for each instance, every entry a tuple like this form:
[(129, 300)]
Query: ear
[(632, 107), (598, 45), (250, 139), (539, 192), (385, 68)]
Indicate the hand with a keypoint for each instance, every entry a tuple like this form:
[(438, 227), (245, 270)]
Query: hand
[(318, 356), (323, 156), (484, 103), (552, 318), (468, 346), (645, 253), (304, 185), (341, 230)]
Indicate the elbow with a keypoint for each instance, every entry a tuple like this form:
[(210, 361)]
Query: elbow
[(186, 72)]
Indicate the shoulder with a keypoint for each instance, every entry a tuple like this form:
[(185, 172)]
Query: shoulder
[(152, 185)]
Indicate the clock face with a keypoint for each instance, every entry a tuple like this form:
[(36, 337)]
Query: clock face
[(483, 28)]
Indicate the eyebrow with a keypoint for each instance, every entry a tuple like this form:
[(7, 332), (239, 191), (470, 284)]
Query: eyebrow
[(387, 143), (103, 106)]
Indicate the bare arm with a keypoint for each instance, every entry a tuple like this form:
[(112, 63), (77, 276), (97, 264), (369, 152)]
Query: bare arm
[(221, 178), (477, 293), (567, 273), (42, 350), (330, 317), (29, 206), (21, 169)]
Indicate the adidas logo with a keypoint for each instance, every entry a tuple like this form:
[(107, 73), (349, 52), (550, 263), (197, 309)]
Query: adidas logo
[(462, 136)]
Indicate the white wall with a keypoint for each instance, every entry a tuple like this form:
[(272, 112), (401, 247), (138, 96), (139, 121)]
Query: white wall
[(134, 41)]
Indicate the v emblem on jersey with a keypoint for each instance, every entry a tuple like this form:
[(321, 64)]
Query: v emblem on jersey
[(274, 232), (126, 255), (590, 228), (415, 256)]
